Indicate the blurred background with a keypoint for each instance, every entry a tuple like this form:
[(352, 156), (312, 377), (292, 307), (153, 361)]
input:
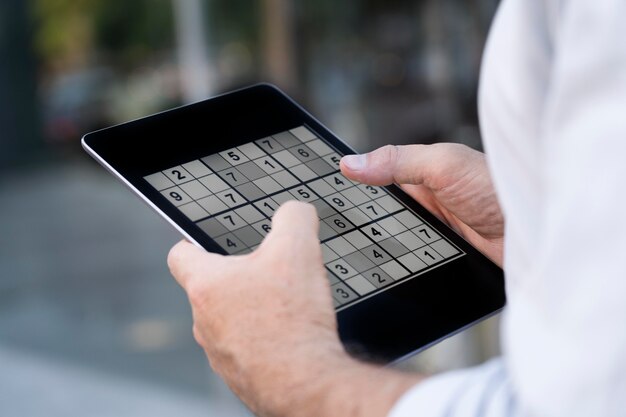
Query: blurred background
[(91, 323)]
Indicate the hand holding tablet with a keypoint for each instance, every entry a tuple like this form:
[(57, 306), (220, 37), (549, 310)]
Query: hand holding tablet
[(218, 170)]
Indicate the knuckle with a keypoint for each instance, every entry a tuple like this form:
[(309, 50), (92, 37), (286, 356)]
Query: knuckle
[(197, 334), (197, 294), (397, 156), (173, 259), (389, 154), (391, 160)]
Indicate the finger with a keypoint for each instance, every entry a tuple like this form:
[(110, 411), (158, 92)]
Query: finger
[(186, 259), (410, 164), (295, 231)]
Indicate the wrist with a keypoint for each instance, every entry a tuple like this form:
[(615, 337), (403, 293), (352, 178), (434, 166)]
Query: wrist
[(341, 385), (366, 390), (308, 378)]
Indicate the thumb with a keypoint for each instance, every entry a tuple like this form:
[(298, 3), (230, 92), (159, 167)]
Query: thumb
[(410, 164), (295, 224), (186, 259), (295, 218)]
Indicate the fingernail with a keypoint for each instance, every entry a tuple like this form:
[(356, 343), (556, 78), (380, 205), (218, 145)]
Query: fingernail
[(355, 162)]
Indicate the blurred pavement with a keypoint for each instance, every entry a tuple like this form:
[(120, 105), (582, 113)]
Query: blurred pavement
[(90, 318), (37, 387)]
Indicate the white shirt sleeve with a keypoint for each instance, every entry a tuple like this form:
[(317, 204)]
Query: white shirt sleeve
[(564, 330), (483, 391), (565, 334)]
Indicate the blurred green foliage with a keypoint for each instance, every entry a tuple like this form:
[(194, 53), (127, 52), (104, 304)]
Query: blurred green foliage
[(135, 28), (69, 32), (234, 20)]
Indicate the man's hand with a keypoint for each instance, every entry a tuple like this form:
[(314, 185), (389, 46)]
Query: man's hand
[(452, 181), (266, 320), (267, 324)]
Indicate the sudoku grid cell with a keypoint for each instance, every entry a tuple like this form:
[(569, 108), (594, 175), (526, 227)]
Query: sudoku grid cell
[(369, 240)]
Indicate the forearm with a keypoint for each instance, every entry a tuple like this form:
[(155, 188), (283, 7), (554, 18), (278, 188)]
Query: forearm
[(342, 386), (364, 390)]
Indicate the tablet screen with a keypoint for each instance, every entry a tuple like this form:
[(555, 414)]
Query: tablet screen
[(370, 240)]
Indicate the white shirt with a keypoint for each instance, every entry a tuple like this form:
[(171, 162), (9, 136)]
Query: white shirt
[(553, 118)]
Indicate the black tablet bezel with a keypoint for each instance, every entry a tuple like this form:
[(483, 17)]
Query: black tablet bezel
[(390, 325)]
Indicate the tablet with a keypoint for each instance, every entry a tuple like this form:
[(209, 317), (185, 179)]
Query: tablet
[(217, 170)]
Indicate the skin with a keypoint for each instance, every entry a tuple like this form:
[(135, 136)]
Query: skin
[(266, 320), (452, 181)]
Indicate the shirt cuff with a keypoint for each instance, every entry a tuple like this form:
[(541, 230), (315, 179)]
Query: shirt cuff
[(478, 391)]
